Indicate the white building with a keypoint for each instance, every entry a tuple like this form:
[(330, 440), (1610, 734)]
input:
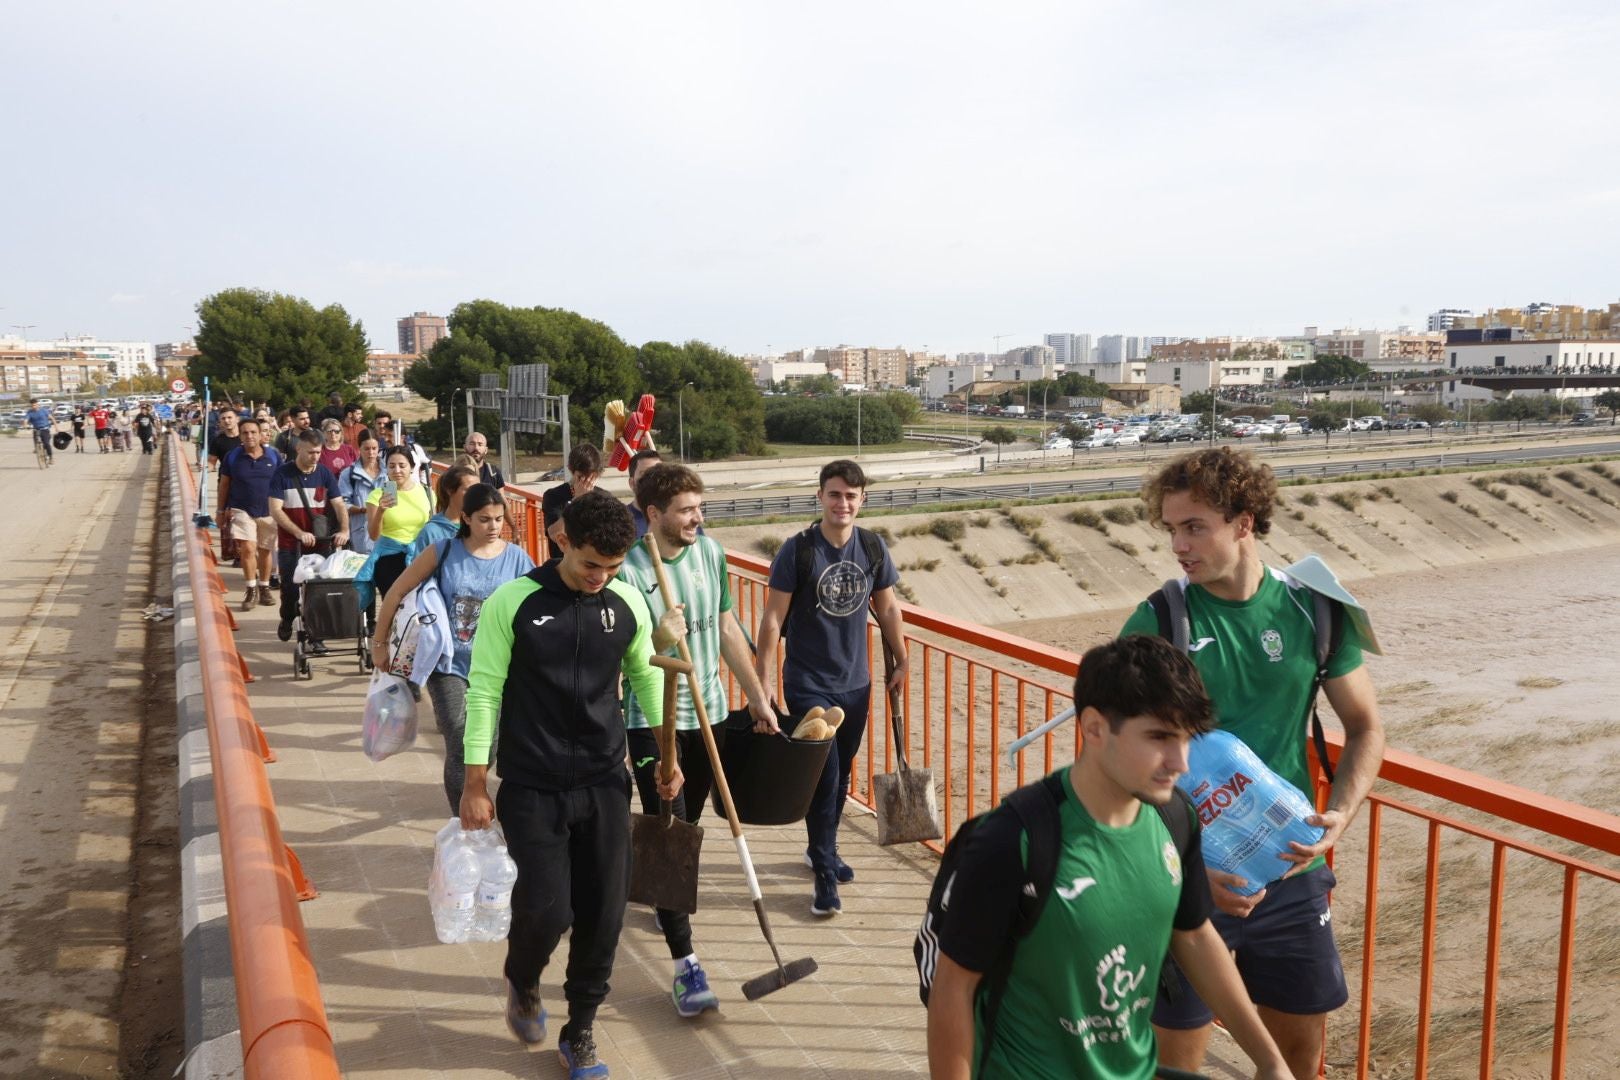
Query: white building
[(942, 379), (1447, 318), (1062, 346), (773, 369), (1111, 349), (1082, 351), (1549, 357), (123, 358)]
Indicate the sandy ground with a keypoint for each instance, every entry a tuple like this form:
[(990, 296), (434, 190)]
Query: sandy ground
[(89, 981)]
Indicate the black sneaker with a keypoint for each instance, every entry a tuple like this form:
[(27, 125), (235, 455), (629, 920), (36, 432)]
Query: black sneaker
[(826, 902), (284, 630), (577, 1052), (317, 648), (841, 869), (525, 1016)]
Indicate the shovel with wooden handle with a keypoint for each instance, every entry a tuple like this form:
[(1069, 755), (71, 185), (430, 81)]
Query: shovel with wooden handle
[(794, 970), (664, 849), (907, 809)]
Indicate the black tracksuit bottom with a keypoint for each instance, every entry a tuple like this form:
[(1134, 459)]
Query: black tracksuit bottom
[(572, 850), (687, 806)]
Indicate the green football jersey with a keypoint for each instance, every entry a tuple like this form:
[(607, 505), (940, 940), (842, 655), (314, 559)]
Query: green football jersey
[(1258, 659), (698, 578), (1079, 998)]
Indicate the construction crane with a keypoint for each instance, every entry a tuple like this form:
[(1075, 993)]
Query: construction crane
[(998, 338)]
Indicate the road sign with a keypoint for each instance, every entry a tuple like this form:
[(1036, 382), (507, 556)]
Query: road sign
[(178, 386)]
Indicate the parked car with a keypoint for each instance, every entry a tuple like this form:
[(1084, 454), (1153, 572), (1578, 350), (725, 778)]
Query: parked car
[(1057, 442), (1418, 425), (1583, 418), (1291, 428), (1126, 438)]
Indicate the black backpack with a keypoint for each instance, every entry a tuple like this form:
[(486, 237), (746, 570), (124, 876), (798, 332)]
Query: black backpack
[(1036, 806), (1169, 603), (804, 559)]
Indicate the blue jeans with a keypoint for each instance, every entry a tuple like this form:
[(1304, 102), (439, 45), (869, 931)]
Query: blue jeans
[(827, 805)]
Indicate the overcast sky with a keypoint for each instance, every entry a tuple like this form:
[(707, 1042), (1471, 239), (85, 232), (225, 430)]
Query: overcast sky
[(763, 175)]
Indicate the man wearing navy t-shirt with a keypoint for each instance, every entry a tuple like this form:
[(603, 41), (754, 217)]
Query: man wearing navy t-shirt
[(822, 615)]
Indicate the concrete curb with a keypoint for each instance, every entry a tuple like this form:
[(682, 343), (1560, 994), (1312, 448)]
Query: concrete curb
[(213, 1036)]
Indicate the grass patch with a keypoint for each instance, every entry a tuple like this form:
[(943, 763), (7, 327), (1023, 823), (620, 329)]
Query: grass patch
[(1127, 548), (768, 546), (1540, 682), (1472, 509), (1028, 558), (883, 532), (1047, 549), (1121, 514), (906, 592), (1536, 482), (1449, 496), (1349, 500), (1089, 518), (1309, 498), (973, 559), (1298, 515), (980, 521), (921, 564), (1388, 493), (1028, 524)]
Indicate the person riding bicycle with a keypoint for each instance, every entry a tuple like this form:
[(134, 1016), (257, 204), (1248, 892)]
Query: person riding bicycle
[(39, 419)]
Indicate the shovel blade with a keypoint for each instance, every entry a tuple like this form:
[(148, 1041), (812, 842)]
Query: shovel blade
[(664, 863), (777, 978), (907, 809)]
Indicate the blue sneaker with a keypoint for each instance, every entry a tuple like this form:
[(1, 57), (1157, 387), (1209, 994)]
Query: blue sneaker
[(841, 869), (577, 1052), (525, 1016), (691, 991), (826, 902)]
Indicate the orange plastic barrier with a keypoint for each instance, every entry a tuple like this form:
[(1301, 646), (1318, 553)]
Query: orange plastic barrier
[(278, 996)]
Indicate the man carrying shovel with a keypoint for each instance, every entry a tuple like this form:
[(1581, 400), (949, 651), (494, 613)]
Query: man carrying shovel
[(672, 498), (822, 581), (546, 661)]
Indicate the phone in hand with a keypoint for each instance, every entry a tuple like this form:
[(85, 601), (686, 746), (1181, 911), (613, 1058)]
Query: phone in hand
[(390, 489)]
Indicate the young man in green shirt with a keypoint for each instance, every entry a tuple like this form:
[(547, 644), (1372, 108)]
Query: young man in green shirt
[(672, 498), (1076, 1001), (1253, 640), (547, 657)]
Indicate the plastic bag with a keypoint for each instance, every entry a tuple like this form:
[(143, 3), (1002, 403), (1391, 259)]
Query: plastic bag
[(342, 564), (309, 566), (389, 725)]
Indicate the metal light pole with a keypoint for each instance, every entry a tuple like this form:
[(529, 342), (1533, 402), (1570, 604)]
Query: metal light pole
[(453, 393), (857, 423), (680, 415)]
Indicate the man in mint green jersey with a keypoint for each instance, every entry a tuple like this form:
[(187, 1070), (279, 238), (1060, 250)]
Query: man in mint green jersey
[(1077, 996), (546, 662), (1253, 639), (671, 496)]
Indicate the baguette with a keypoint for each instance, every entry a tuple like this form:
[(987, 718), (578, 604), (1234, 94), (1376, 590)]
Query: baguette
[(834, 716), (812, 729)]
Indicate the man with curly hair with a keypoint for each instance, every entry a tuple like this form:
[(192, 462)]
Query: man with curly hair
[(546, 661), (1253, 641)]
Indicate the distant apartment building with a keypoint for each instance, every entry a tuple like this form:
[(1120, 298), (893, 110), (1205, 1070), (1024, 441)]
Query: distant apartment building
[(1395, 348), (1548, 354), (974, 358), (1569, 322), (120, 359), (388, 369), (1111, 349), (1029, 356), (845, 364), (418, 332), (174, 359), (1190, 351), (1447, 318), (944, 379), (1062, 346), (864, 366), (918, 363), (32, 371)]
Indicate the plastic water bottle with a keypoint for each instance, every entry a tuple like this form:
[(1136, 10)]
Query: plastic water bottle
[(1249, 814), (493, 916), (453, 892)]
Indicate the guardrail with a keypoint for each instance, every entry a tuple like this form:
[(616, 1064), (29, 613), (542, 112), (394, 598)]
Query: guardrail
[(972, 690), (284, 1029)]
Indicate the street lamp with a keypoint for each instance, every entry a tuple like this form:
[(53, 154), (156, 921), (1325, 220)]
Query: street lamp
[(857, 423), (453, 393), (680, 415)]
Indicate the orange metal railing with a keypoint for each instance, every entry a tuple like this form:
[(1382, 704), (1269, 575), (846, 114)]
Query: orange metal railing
[(278, 996), (971, 690)]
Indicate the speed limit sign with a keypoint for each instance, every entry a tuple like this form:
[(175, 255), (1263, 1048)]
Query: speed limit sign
[(178, 386)]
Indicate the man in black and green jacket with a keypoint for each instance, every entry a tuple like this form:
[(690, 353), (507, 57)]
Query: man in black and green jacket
[(547, 657)]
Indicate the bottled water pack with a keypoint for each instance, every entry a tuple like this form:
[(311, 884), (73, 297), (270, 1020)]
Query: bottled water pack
[(470, 889), (1249, 814)]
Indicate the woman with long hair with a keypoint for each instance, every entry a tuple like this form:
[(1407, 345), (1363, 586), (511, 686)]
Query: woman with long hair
[(357, 482), (396, 510), (467, 567), (446, 522)]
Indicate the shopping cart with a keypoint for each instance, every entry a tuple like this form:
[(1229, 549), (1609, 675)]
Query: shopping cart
[(328, 612)]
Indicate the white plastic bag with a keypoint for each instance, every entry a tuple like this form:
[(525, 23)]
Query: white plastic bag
[(390, 721), (309, 566), (342, 564)]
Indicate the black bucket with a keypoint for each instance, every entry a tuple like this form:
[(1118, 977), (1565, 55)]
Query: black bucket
[(772, 777), (61, 440)]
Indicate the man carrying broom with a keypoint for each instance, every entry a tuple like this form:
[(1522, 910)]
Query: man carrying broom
[(672, 498), (546, 662)]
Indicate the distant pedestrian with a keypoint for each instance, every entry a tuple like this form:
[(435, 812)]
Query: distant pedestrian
[(145, 425), (227, 436), (310, 515), (395, 512), (246, 476), (297, 423), (354, 426), (477, 448), (39, 423), (446, 519), (584, 469), (356, 483), (78, 431), (100, 417), (336, 454)]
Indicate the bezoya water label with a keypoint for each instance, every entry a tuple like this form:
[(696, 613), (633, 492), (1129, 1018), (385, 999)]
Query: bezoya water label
[(1247, 813)]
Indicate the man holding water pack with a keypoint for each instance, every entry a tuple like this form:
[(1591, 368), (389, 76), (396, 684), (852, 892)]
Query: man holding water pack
[(1252, 637)]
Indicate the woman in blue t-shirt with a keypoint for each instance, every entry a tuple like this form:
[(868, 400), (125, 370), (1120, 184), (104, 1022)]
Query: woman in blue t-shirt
[(467, 567)]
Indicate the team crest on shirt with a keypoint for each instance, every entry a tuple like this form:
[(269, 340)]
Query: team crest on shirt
[(1172, 863), (609, 619), (1271, 641)]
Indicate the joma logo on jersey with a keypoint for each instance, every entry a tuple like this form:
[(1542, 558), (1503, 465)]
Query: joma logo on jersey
[(1222, 797)]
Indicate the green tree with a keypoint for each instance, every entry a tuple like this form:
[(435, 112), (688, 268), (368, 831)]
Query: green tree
[(1199, 401), (1325, 421), (588, 361), (264, 346), (708, 390), (1075, 433), (818, 384), (1609, 399), (1329, 368), (999, 435), (1432, 414), (906, 406), (831, 421)]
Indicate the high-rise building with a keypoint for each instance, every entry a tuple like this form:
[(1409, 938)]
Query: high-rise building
[(1062, 346), (1446, 318), (1111, 349), (1082, 350), (419, 331)]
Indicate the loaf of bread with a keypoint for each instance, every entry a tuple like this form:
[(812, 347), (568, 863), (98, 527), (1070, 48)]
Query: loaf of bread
[(834, 716), (812, 729)]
